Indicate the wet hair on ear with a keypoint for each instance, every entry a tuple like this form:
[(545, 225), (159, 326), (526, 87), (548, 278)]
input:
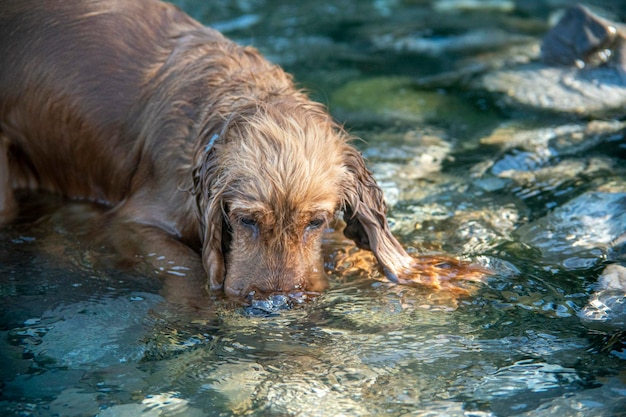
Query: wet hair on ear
[(209, 211), (365, 212), (209, 186)]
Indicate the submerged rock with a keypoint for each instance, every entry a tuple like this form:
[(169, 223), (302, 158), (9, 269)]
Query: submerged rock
[(607, 305), (473, 5), (474, 40), (401, 164), (579, 233), (537, 157), (382, 99), (96, 333), (567, 139), (588, 92)]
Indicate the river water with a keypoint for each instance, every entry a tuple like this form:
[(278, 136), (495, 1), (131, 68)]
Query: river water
[(536, 196)]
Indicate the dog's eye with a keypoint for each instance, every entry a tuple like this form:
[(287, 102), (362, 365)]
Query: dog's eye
[(248, 221), (315, 224)]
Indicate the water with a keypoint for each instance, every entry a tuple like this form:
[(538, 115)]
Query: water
[(537, 197)]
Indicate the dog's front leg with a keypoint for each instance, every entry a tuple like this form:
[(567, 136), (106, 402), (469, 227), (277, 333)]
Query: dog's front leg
[(150, 250)]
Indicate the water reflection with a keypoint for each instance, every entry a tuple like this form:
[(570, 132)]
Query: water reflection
[(536, 197)]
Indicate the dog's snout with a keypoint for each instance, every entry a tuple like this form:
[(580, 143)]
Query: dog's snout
[(264, 287)]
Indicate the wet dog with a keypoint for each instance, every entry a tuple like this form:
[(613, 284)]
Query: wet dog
[(200, 143)]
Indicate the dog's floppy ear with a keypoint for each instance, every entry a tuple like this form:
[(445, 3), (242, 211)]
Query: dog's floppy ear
[(365, 216), (208, 192)]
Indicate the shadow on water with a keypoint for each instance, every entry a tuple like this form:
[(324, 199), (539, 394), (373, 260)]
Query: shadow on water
[(537, 198)]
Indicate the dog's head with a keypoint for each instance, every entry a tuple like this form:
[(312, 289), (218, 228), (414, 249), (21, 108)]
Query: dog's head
[(268, 184)]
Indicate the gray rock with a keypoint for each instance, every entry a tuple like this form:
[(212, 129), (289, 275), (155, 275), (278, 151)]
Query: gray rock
[(581, 70)]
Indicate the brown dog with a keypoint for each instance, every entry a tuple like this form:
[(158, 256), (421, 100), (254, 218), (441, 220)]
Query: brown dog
[(185, 133)]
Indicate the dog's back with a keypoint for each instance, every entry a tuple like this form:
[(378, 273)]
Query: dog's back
[(70, 74)]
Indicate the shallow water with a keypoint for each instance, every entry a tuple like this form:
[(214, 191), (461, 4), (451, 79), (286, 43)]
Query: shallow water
[(538, 198)]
